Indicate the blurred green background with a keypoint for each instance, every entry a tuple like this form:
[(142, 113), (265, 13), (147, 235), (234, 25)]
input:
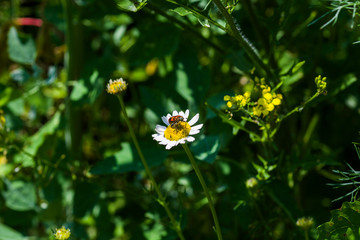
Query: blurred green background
[(66, 155)]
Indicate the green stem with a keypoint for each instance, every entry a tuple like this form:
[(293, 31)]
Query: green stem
[(300, 108), (206, 190), (244, 42), (307, 234), (161, 199)]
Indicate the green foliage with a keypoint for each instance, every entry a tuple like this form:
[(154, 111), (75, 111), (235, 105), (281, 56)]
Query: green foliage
[(344, 223), (67, 155)]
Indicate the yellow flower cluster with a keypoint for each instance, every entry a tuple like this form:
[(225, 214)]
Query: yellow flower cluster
[(238, 100), (320, 84), (62, 233), (267, 102)]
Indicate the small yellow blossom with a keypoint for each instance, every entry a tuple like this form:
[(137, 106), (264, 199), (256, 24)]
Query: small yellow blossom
[(321, 84), (62, 233), (151, 67), (238, 100), (305, 222), (116, 86), (263, 107)]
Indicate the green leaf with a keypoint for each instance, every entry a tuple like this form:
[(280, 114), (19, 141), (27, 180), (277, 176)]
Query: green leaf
[(206, 148), (5, 95), (297, 66), (7, 233), (21, 50), (127, 159), (33, 143), (181, 11), (86, 91), (20, 196), (344, 223), (132, 6), (343, 84)]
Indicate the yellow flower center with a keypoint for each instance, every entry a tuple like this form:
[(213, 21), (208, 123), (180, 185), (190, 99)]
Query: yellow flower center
[(178, 131), (116, 86)]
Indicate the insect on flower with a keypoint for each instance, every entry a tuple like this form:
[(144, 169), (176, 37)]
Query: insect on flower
[(175, 119)]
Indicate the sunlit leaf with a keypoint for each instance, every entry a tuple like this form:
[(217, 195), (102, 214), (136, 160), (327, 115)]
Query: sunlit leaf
[(21, 50), (344, 223), (7, 233), (206, 148)]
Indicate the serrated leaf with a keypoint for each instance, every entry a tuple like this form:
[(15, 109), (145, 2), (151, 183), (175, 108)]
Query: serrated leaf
[(20, 51), (344, 223)]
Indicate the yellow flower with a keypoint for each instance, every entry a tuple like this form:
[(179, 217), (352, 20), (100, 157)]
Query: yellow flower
[(263, 107), (62, 233), (116, 86), (239, 100)]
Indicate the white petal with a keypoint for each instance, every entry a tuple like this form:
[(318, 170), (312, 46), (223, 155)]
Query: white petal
[(197, 127), (165, 120), (186, 114), (190, 139), (193, 132), (175, 113), (182, 141), (170, 145), (181, 113), (194, 120), (160, 129), (168, 116)]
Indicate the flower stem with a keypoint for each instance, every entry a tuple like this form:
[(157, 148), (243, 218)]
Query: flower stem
[(206, 190), (236, 32), (161, 200)]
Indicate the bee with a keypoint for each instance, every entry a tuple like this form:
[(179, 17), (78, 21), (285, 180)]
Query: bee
[(175, 119)]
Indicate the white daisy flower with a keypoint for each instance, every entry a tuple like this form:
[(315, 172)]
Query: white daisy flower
[(177, 129)]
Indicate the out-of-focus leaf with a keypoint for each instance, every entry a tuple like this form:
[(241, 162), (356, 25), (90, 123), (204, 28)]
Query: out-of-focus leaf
[(7, 233), (20, 50), (181, 11), (127, 159), (20, 75), (5, 95), (132, 6), (86, 197), (345, 82), (344, 223), (206, 148), (87, 91), (297, 66), (33, 143), (157, 101), (20, 196), (192, 80)]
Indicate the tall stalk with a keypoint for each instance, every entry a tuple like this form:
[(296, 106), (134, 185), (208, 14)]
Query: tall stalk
[(73, 63), (161, 197), (206, 190)]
